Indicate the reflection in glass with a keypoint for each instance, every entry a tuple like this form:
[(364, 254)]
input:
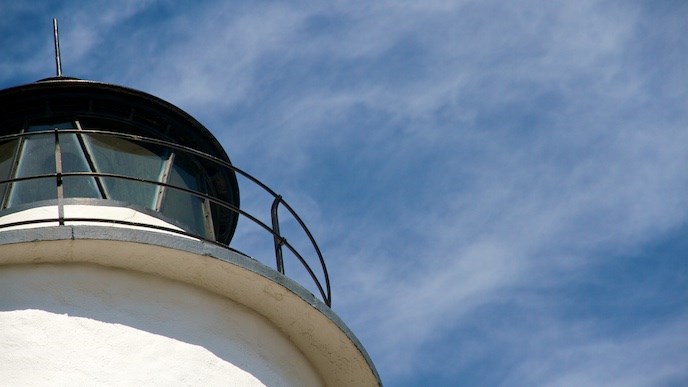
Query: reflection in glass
[(37, 157), (74, 160), (7, 151), (118, 156), (181, 205)]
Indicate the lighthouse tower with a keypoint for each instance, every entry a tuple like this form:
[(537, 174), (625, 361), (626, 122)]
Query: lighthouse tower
[(117, 217)]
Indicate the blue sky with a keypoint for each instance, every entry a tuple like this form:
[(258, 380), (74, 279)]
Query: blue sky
[(500, 188)]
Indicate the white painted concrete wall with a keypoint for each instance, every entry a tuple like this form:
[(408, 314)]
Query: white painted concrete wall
[(81, 324)]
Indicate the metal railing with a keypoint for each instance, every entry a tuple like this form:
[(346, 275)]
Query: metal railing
[(279, 240)]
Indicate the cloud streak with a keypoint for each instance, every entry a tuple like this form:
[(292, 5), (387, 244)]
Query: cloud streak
[(466, 166)]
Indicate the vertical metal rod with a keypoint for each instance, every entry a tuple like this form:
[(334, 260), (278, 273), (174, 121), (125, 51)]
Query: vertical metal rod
[(58, 64), (279, 241), (58, 178)]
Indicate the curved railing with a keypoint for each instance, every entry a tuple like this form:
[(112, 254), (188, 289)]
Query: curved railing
[(279, 240)]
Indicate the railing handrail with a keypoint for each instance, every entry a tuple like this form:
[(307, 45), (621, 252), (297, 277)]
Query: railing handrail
[(279, 240)]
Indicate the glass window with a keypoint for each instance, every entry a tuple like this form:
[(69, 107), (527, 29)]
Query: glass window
[(7, 150), (182, 205), (74, 160), (36, 157), (119, 156), (100, 153)]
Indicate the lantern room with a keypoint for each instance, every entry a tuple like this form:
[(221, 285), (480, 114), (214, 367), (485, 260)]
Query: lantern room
[(67, 143)]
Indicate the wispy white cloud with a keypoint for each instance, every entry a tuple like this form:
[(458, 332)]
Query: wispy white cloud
[(576, 354), (454, 159)]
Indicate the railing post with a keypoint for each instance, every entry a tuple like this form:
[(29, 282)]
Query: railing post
[(277, 237), (58, 178)]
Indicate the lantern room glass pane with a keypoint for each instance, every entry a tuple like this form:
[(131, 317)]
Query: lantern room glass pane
[(74, 160), (183, 205), (123, 157), (37, 157), (7, 151)]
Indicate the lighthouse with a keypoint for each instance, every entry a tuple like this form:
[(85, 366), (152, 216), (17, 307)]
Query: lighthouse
[(118, 214)]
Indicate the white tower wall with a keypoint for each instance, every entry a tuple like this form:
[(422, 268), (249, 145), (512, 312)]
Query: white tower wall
[(87, 324), (88, 304)]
